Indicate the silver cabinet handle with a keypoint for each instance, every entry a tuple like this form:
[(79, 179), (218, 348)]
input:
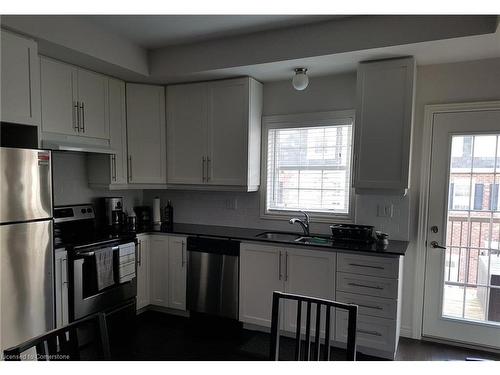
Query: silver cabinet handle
[(203, 169), (373, 333), (113, 166), (366, 286), (366, 266), (367, 306), (208, 168), (286, 265), (279, 267), (82, 107), (78, 116), (75, 116), (139, 250), (64, 271)]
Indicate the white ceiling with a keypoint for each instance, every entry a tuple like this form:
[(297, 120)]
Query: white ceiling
[(155, 31)]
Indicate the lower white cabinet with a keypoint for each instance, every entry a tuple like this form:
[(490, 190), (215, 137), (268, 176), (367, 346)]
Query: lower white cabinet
[(177, 272), (260, 275), (143, 264), (161, 271), (61, 287), (158, 276), (264, 269)]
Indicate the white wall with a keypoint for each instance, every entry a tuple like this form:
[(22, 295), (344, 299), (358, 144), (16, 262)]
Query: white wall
[(71, 183)]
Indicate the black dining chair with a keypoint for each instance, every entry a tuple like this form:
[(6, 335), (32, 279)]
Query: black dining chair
[(84, 339), (305, 354)]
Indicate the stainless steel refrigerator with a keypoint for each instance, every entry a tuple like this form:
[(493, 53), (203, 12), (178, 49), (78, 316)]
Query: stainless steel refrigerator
[(26, 255)]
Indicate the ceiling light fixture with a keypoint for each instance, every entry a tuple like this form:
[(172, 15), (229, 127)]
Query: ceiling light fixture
[(300, 79)]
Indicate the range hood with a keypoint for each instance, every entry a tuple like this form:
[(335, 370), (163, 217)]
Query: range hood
[(77, 147)]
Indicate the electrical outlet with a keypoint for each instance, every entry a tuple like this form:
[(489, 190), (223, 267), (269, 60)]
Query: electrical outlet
[(231, 204), (385, 210)]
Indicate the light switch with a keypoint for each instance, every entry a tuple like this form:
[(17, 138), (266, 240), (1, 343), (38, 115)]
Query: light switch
[(385, 210)]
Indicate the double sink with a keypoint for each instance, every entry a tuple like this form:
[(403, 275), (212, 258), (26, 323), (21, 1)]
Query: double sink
[(295, 238)]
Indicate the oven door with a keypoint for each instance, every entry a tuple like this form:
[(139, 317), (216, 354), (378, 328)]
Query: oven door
[(85, 297)]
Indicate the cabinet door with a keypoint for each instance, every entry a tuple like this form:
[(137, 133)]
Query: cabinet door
[(143, 264), (383, 123), (58, 95), (61, 283), (309, 273), (228, 132), (93, 99), (260, 275), (118, 131), (186, 133), (146, 134), (20, 77), (177, 274), (159, 270)]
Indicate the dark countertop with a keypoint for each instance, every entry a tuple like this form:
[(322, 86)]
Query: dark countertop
[(394, 247)]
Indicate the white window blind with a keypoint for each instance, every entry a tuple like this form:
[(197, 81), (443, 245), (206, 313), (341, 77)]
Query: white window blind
[(309, 169)]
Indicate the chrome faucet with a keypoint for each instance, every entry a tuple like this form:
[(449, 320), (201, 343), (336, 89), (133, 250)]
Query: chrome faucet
[(303, 223)]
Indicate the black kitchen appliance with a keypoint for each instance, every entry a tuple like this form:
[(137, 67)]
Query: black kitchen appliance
[(75, 230), (352, 233)]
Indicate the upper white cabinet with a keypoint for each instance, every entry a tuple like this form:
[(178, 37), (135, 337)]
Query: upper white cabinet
[(213, 134), (110, 171), (146, 139), (384, 109), (20, 77), (74, 101)]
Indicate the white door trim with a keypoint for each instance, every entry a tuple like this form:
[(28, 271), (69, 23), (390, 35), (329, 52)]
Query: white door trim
[(429, 112)]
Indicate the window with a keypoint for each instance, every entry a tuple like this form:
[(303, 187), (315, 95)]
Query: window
[(309, 164)]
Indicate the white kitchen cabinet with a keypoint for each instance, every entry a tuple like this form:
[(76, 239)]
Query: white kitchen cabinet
[(214, 135), (177, 272), (384, 110), (20, 77), (110, 171), (146, 136), (143, 271), (186, 133), (261, 274), (158, 267), (74, 102), (58, 96), (61, 287), (310, 273)]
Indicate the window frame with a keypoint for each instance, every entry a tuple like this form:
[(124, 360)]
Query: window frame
[(303, 120)]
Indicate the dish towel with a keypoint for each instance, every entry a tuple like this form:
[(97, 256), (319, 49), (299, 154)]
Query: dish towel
[(126, 262), (104, 267)]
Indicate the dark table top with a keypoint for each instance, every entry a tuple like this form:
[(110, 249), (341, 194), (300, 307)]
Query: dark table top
[(394, 247)]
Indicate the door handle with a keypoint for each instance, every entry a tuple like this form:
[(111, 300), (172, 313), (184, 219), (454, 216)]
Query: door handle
[(83, 116), (203, 169), (182, 254), (64, 272), (286, 265), (435, 245), (78, 116), (113, 166), (139, 250), (75, 116)]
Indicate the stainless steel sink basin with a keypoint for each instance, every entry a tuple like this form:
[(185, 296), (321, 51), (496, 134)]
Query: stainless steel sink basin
[(314, 240), (279, 236)]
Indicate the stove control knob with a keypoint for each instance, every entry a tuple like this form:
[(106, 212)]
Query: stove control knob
[(83, 210)]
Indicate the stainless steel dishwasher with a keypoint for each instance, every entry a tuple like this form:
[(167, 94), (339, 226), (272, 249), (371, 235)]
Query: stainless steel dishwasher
[(213, 276)]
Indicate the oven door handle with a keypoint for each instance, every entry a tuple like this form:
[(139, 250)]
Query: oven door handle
[(92, 253)]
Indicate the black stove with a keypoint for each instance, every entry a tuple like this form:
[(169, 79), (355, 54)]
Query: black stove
[(87, 244), (76, 227)]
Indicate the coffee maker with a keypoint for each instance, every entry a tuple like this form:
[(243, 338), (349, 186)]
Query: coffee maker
[(113, 207)]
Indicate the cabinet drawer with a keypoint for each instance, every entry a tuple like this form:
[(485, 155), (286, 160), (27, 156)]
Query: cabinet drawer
[(368, 265), (371, 332), (367, 285), (368, 305)]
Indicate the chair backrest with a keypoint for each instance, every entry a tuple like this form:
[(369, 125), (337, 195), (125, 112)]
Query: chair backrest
[(85, 339), (305, 354)]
